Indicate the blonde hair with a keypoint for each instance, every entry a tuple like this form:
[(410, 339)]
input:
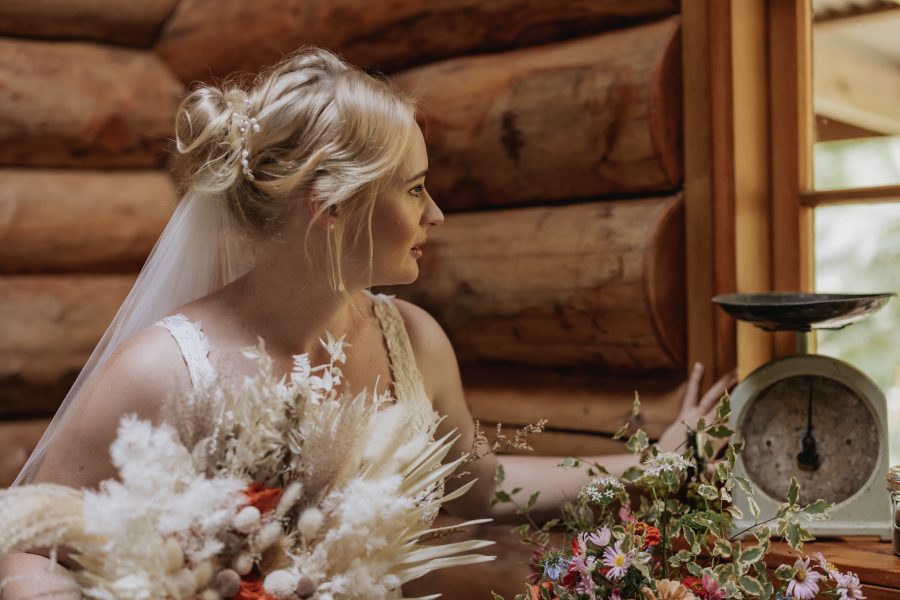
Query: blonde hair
[(324, 127)]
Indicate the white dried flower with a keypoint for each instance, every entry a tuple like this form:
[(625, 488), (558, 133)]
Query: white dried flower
[(310, 522), (184, 583), (289, 498), (268, 535), (173, 555), (204, 572), (247, 520), (281, 583)]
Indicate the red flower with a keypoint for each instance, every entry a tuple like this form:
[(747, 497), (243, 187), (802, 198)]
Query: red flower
[(263, 498), (651, 534), (576, 547), (695, 585), (570, 578)]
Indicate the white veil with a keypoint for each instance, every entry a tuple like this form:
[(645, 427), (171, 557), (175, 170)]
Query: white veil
[(199, 251)]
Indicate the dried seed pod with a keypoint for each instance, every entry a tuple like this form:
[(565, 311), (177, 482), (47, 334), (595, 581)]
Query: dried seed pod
[(268, 535), (232, 542), (242, 563), (210, 595), (305, 588), (227, 582)]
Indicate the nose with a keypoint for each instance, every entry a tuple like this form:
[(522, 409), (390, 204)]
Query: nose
[(433, 214)]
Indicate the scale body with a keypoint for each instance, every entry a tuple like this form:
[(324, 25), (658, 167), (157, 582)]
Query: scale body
[(812, 417)]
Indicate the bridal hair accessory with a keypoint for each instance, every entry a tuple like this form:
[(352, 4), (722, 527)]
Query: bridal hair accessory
[(245, 126)]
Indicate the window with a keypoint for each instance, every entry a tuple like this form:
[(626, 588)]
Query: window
[(856, 158)]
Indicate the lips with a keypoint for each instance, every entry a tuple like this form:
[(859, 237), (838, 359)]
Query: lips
[(417, 249)]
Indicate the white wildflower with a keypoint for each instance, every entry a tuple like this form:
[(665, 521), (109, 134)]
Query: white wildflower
[(665, 462), (602, 491)]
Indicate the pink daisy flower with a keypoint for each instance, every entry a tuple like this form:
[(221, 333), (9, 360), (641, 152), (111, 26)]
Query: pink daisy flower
[(805, 584), (600, 537), (848, 586), (617, 561)]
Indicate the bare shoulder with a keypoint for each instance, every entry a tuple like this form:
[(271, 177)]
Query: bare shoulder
[(433, 351), (137, 379), (142, 373), (425, 334)]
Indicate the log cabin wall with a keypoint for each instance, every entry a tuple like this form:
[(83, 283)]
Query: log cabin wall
[(554, 133)]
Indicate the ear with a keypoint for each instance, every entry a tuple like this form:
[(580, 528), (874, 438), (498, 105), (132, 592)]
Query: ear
[(313, 204)]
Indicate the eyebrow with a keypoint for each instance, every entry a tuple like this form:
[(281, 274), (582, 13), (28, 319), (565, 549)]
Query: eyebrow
[(417, 176)]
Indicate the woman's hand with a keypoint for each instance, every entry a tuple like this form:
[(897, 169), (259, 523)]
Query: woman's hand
[(693, 408)]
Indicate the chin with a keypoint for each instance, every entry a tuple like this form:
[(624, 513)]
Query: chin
[(402, 276)]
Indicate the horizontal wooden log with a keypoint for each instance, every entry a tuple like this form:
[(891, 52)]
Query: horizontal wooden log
[(129, 23), (50, 326), (81, 221), (578, 402), (598, 285), (17, 441), (213, 38), (84, 105), (590, 117)]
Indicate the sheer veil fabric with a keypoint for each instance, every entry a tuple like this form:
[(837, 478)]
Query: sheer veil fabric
[(199, 251)]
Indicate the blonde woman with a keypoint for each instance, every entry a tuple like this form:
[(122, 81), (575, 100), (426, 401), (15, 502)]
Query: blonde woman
[(302, 191)]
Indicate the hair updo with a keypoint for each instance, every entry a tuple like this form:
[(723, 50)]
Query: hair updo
[(322, 126)]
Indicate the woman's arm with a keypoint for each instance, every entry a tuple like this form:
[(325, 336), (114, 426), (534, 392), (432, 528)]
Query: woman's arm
[(437, 362), (136, 379), (31, 576)]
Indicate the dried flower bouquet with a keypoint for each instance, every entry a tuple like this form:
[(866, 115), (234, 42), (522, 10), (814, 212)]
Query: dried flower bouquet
[(280, 489)]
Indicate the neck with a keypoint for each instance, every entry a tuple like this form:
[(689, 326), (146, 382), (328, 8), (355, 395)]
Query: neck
[(292, 306)]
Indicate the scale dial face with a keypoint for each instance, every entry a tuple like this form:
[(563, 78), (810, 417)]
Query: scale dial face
[(844, 430)]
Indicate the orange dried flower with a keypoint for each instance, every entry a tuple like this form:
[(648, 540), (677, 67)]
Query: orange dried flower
[(252, 588), (263, 498)]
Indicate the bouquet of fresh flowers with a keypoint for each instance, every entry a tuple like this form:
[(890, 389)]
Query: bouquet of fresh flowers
[(280, 489), (663, 532)]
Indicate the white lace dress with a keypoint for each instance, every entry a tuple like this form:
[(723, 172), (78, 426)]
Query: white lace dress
[(409, 388)]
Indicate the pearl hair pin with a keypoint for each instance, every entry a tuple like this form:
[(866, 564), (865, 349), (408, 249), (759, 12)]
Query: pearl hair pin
[(246, 125)]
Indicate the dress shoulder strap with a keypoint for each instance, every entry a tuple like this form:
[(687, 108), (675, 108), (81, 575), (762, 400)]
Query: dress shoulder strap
[(194, 347), (408, 383)]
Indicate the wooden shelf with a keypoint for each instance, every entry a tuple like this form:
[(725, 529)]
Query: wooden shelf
[(872, 560)]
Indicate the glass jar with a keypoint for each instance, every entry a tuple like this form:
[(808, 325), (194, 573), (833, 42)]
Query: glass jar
[(893, 485)]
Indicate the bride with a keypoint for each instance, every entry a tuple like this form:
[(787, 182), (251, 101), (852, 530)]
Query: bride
[(302, 191)]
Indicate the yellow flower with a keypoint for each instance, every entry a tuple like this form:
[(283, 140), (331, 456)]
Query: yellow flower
[(668, 590)]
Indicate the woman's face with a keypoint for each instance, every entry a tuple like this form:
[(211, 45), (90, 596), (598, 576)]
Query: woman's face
[(401, 217)]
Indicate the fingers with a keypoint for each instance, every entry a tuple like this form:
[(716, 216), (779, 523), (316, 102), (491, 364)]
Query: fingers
[(693, 388), (718, 389)]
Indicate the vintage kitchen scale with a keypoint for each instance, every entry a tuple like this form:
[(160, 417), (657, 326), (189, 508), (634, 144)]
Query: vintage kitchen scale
[(812, 417)]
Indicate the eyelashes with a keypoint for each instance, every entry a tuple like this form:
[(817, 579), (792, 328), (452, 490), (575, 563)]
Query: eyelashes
[(417, 191)]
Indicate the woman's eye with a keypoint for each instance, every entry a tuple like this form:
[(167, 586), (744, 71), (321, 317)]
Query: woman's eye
[(417, 191)]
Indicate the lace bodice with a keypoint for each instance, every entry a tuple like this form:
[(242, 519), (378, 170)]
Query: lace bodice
[(409, 388)]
